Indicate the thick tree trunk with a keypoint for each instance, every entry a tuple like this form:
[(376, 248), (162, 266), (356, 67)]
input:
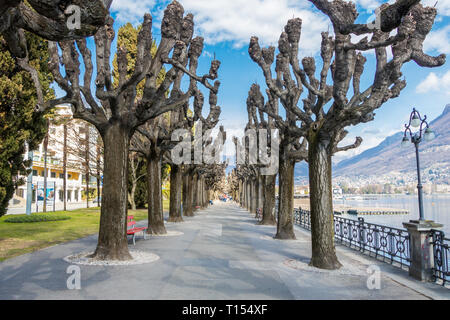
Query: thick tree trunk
[(176, 180), (260, 192), (98, 156), (255, 196), (269, 200), (112, 238), (254, 199), (131, 195), (195, 191), (322, 226), (203, 188), (248, 195), (187, 196), (285, 224), (155, 207)]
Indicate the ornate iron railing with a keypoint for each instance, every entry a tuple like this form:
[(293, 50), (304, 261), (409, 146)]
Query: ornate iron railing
[(441, 254), (386, 243), (383, 242)]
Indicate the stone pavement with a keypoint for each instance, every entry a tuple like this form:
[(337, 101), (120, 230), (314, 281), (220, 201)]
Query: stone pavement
[(222, 255)]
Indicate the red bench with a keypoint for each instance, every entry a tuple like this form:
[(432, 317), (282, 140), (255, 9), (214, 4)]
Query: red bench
[(132, 229)]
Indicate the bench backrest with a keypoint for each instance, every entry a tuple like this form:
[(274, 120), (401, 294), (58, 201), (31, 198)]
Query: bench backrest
[(130, 222)]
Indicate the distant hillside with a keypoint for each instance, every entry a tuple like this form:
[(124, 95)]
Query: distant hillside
[(389, 157)]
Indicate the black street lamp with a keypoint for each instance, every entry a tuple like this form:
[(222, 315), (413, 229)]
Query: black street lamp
[(416, 121)]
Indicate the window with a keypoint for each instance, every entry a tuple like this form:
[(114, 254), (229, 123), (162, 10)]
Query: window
[(69, 176), (69, 195), (61, 195), (61, 175), (42, 173), (53, 174), (35, 173), (20, 193)]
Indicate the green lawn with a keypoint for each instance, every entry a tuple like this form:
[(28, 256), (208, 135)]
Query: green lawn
[(20, 238)]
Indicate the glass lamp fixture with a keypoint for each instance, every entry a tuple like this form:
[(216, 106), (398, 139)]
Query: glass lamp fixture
[(415, 121), (429, 134), (405, 142)]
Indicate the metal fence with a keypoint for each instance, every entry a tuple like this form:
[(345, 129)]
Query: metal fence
[(383, 242), (386, 243), (441, 256)]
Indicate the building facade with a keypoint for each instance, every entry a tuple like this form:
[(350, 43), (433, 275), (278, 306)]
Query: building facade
[(75, 167)]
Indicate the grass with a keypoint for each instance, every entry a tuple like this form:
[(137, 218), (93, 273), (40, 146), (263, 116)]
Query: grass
[(20, 238)]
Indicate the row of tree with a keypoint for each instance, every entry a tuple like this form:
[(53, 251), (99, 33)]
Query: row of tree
[(136, 105), (311, 129)]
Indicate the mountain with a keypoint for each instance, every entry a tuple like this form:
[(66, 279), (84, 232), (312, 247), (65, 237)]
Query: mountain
[(388, 156)]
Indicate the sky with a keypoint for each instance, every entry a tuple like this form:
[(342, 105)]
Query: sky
[(228, 25)]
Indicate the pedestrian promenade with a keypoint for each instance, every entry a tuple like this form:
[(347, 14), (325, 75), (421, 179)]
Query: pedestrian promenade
[(222, 254)]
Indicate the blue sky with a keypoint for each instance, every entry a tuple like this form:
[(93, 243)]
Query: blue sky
[(228, 25)]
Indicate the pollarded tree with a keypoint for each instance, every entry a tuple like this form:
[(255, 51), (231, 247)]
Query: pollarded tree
[(198, 125), (120, 111), (151, 141), (50, 19), (267, 182), (213, 170), (292, 147), (327, 110), (154, 141)]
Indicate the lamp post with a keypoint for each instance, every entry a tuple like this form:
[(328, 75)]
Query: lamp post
[(420, 247), (425, 132)]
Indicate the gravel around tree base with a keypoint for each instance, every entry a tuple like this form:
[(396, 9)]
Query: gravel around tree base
[(139, 257)]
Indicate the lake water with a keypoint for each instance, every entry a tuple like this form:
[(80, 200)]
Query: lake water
[(436, 207)]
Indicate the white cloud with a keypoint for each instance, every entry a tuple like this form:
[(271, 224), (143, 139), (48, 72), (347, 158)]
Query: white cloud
[(369, 5), (443, 6), (371, 138), (131, 10), (438, 41), (236, 21), (434, 83)]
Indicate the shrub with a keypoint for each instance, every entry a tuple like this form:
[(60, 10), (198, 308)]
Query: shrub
[(35, 218)]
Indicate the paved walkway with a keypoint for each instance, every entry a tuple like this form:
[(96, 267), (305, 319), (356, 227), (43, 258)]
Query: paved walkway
[(221, 255)]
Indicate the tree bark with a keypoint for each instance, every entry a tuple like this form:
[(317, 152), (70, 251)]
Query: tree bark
[(112, 239), (187, 196), (285, 224), (195, 191), (131, 195), (321, 202), (175, 194), (155, 208), (255, 196), (268, 217), (98, 151), (254, 199)]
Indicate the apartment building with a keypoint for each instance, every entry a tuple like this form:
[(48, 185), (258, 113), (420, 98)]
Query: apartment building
[(75, 169)]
